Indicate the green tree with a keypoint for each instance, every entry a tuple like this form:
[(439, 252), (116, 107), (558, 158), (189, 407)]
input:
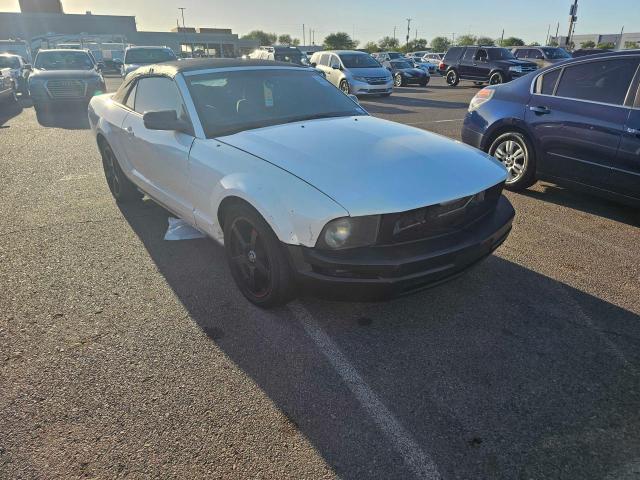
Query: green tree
[(630, 45), (606, 46), (295, 41), (339, 41), (371, 47), (263, 38), (388, 43), (534, 44), (512, 42), (588, 44), (489, 42), (414, 45), (465, 40), (440, 44), (285, 39)]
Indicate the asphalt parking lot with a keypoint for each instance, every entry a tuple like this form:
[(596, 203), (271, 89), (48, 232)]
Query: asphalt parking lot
[(126, 356)]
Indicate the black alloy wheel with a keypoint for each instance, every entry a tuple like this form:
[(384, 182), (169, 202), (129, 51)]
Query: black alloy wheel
[(256, 258), (122, 189), (496, 78), (453, 79)]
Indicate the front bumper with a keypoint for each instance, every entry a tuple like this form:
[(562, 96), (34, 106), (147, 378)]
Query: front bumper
[(363, 88), (469, 135), (383, 271)]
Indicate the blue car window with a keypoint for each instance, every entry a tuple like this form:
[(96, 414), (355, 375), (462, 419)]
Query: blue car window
[(547, 82), (605, 81)]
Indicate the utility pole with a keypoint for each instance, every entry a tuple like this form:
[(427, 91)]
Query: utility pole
[(408, 30), (502, 38), (573, 18), (453, 38), (619, 43), (394, 34), (558, 33), (184, 29), (304, 35), (548, 33)]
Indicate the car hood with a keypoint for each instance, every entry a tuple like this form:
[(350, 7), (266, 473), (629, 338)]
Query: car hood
[(373, 166), (369, 72), (522, 63), (413, 71), (63, 74)]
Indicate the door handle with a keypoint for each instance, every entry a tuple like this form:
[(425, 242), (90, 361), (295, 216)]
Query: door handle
[(130, 132), (540, 110), (633, 131)]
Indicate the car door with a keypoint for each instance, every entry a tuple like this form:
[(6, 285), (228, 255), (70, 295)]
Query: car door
[(323, 64), (480, 66), (468, 62), (160, 158), (578, 115), (334, 74), (626, 172)]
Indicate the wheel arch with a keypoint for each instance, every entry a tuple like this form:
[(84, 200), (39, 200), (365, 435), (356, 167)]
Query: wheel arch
[(507, 125)]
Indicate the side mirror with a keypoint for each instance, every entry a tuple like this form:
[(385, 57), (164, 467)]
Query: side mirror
[(100, 66), (336, 67), (314, 64), (166, 120)]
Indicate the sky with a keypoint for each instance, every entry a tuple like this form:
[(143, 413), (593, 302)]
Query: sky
[(370, 20)]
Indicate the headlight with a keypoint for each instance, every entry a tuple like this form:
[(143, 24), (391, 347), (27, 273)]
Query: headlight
[(349, 232), (360, 79), (517, 69), (483, 96)]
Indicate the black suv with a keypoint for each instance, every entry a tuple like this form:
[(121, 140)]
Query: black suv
[(483, 64)]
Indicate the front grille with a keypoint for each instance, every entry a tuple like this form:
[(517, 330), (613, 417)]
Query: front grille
[(67, 88), (376, 80), (438, 220)]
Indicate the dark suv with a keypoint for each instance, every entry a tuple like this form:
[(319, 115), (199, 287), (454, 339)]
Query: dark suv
[(493, 65)]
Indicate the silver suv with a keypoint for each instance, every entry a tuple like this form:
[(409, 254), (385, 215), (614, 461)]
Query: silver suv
[(354, 72)]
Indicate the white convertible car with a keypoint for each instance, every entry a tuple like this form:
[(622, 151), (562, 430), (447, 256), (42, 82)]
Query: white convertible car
[(299, 183)]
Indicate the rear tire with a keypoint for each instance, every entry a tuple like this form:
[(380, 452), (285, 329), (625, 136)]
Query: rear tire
[(257, 260), (122, 189), (452, 77), (516, 153), (344, 86), (398, 81)]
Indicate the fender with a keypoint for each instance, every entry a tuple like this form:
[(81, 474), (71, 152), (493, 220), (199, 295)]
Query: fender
[(296, 211)]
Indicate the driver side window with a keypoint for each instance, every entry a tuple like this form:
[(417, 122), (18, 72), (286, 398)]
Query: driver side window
[(154, 94), (335, 63), (481, 56)]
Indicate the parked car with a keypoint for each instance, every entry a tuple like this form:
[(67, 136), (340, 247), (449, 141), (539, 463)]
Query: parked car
[(135, 57), (583, 52), (576, 123), (280, 53), (386, 56), (61, 77), (404, 73), (494, 65), (7, 87), (19, 71), (354, 72), (434, 58), (239, 149), (428, 67), (416, 56), (541, 56)]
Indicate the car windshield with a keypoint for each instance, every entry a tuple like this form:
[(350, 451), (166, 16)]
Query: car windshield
[(64, 61), (398, 64), (358, 60), (9, 62), (500, 54), (555, 53), (149, 55), (293, 57), (234, 101)]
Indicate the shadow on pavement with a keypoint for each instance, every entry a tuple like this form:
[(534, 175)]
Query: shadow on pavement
[(586, 202), (503, 373), (391, 105), (68, 117), (9, 110)]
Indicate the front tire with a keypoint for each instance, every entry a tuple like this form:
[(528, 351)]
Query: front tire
[(344, 86), (516, 153), (256, 258), (453, 79), (496, 78), (122, 189)]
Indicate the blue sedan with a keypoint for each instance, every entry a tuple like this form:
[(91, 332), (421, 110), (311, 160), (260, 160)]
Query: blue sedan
[(576, 123)]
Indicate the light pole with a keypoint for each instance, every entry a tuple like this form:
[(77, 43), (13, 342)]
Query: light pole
[(573, 18), (184, 28), (408, 31)]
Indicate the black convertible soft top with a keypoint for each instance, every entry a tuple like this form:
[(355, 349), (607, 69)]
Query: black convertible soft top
[(195, 64)]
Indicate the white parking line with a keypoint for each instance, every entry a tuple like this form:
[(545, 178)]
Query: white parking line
[(417, 460)]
